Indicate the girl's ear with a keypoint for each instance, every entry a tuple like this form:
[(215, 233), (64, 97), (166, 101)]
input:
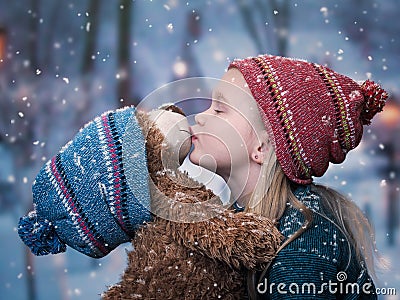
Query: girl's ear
[(261, 149), (260, 153)]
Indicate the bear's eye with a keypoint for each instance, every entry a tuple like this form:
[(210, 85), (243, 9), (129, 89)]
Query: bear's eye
[(173, 108)]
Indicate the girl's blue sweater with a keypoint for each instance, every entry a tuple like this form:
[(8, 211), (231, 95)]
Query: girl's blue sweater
[(319, 264)]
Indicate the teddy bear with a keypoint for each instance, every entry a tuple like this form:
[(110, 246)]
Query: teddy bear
[(193, 248), (118, 181)]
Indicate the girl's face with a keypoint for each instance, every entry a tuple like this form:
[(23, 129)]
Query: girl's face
[(225, 136)]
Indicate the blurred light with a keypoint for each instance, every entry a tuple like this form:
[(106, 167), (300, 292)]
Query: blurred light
[(218, 55), (180, 69), (390, 116)]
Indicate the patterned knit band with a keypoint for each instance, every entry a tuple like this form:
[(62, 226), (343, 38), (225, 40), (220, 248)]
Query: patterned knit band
[(81, 196), (315, 114)]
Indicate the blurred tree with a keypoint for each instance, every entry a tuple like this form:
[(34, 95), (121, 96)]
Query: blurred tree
[(20, 134), (91, 27), (267, 23), (124, 47), (47, 52), (34, 35), (88, 61)]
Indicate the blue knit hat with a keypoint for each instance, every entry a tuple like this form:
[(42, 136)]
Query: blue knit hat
[(81, 196)]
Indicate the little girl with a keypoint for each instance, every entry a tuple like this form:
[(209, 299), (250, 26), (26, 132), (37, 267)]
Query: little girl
[(273, 124)]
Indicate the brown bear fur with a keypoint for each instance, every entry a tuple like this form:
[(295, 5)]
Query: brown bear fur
[(205, 259)]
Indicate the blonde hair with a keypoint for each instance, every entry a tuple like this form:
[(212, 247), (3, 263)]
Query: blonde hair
[(272, 194)]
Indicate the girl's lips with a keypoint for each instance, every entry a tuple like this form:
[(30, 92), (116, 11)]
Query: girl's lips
[(194, 137)]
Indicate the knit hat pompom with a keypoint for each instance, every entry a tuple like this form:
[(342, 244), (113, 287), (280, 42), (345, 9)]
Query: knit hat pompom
[(39, 235), (375, 98)]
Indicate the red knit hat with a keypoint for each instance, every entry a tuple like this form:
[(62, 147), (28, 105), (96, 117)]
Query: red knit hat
[(316, 115)]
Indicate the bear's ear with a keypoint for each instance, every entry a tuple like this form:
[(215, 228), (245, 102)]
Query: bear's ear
[(152, 133), (154, 140), (173, 108)]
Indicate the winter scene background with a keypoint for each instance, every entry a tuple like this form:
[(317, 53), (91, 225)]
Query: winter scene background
[(64, 62)]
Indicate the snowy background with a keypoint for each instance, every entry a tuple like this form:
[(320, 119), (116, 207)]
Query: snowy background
[(63, 62)]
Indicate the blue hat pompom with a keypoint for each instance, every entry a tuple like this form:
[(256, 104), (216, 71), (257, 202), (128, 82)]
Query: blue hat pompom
[(39, 235)]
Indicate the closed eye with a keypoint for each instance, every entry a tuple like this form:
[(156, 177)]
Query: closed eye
[(217, 106)]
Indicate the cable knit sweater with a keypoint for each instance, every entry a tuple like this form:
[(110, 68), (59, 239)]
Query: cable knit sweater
[(319, 264)]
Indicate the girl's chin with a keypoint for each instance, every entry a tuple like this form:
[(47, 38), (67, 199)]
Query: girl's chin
[(193, 158), (206, 161)]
